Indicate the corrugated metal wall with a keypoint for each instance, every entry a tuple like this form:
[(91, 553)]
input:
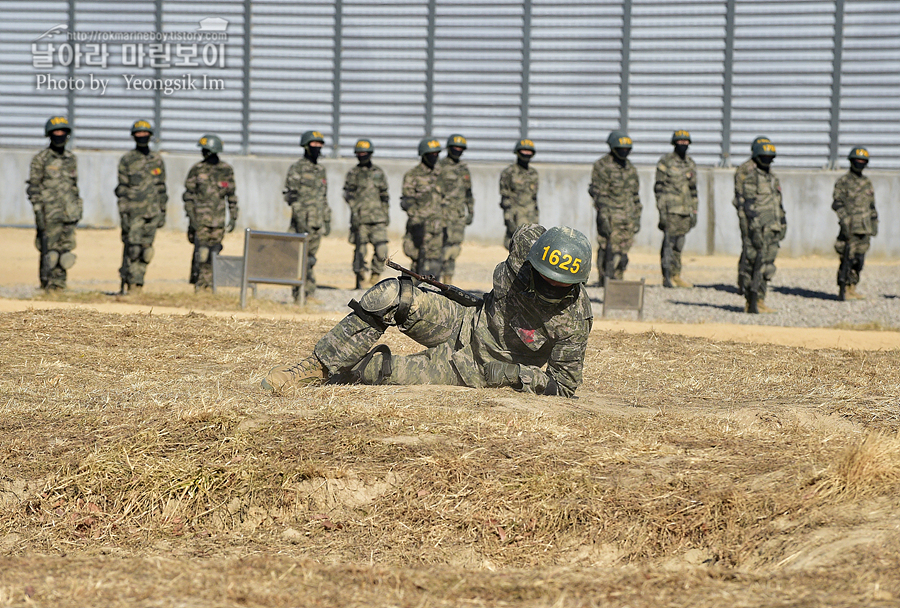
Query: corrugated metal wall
[(817, 76)]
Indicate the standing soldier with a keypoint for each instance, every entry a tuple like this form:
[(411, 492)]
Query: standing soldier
[(614, 188), (53, 191), (306, 191), (758, 196), (676, 200), (142, 205), (745, 169), (459, 211), (366, 191), (854, 203), (209, 184), (518, 190), (422, 200)]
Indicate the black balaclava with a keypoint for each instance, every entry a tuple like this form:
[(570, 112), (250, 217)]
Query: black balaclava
[(210, 158), (454, 153), (364, 158), (58, 142), (764, 162), (620, 155), (430, 159), (551, 294), (523, 159), (312, 153), (857, 165), (142, 144), (681, 150)]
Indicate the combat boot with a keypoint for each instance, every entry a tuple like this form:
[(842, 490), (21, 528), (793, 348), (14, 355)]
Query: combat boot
[(852, 294), (360, 280), (679, 282), (135, 289), (307, 372), (763, 309)]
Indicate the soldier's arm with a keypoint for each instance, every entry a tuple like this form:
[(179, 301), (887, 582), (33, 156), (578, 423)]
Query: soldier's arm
[(190, 194), (506, 189), (161, 186), (408, 199), (291, 186), (78, 201), (383, 193), (124, 183), (230, 193), (692, 184), (566, 363), (470, 198), (597, 188), (350, 187), (35, 179), (659, 187), (838, 199)]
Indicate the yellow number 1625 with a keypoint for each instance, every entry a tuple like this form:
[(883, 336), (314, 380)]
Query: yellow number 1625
[(561, 260)]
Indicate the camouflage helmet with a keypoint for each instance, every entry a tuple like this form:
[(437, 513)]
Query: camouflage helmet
[(456, 140), (762, 148), (311, 136), (619, 139), (760, 139), (562, 254), (859, 153), (524, 144), (429, 145), (363, 146), (210, 142), (681, 134), (141, 125), (56, 123)]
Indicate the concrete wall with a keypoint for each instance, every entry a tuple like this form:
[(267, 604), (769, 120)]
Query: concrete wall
[(563, 200)]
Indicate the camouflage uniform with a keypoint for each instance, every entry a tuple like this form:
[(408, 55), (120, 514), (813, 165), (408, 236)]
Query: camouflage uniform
[(676, 200), (366, 191), (518, 198), (459, 208), (423, 202), (142, 209), (206, 190), (614, 189), (758, 197), (306, 191), (53, 191), (740, 174), (510, 326), (854, 203)]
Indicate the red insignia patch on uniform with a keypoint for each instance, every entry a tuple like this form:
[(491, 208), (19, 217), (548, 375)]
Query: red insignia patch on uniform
[(324, 181), (224, 184), (156, 171), (527, 335)]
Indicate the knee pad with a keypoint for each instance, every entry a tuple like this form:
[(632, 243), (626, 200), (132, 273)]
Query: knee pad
[(66, 260), (134, 252), (147, 254), (858, 262), (452, 252), (203, 254), (52, 258), (389, 297), (768, 271), (623, 261)]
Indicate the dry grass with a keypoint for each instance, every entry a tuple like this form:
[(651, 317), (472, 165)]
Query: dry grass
[(689, 473)]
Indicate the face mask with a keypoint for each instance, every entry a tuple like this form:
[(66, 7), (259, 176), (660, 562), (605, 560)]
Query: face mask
[(209, 157), (551, 294), (454, 152), (58, 141), (142, 140), (364, 158), (764, 161), (621, 153), (858, 165), (430, 159), (523, 160), (681, 150), (312, 153)]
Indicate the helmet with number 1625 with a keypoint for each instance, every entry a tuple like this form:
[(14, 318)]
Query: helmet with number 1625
[(562, 254)]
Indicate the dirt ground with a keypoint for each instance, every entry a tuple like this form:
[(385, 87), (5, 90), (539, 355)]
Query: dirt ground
[(700, 466)]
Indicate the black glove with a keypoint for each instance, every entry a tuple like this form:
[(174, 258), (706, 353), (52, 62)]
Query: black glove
[(497, 374)]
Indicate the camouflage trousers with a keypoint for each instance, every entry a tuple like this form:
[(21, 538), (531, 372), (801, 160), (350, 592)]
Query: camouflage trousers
[(61, 239), (423, 243), (515, 217), (434, 322), (859, 246), (744, 269), (677, 226), (618, 238), (765, 245), (207, 240), (312, 248), (361, 237), (138, 234), (453, 238)]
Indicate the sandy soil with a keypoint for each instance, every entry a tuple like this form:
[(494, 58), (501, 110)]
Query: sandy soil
[(99, 254)]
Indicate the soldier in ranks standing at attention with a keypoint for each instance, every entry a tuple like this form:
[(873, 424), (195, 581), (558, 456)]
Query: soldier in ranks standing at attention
[(459, 210), (366, 191), (518, 190)]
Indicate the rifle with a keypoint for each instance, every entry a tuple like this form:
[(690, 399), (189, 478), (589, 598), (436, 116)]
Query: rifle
[(44, 269), (451, 292), (844, 272), (755, 287)]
